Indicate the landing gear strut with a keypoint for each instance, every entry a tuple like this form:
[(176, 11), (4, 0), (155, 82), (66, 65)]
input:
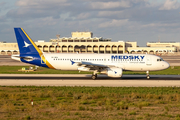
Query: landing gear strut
[(94, 75), (147, 73)]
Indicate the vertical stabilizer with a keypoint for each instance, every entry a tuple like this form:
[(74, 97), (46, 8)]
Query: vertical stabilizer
[(29, 52), (25, 43)]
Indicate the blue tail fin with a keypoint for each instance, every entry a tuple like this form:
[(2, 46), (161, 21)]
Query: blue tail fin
[(29, 52), (25, 43)]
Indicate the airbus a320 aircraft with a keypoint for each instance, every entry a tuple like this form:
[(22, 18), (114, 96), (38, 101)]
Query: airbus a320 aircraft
[(112, 65)]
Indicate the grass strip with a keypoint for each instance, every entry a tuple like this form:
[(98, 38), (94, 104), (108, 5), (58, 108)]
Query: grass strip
[(76, 103)]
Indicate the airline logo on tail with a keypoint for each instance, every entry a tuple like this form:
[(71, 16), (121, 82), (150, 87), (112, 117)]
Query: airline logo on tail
[(26, 44)]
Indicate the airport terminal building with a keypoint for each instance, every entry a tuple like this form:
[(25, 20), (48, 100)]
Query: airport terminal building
[(84, 42)]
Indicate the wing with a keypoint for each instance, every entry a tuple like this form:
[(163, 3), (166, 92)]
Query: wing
[(91, 66)]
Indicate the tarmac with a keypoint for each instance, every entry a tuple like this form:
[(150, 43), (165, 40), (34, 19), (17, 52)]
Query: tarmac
[(85, 80)]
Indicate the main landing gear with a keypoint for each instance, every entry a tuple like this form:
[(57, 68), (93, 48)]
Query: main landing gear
[(147, 73), (94, 75)]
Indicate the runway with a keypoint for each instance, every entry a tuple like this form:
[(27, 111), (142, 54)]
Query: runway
[(85, 80)]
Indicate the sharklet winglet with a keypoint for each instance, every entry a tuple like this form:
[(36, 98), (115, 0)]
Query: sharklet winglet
[(72, 62)]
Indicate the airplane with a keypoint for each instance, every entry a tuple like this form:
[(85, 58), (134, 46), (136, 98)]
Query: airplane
[(112, 65)]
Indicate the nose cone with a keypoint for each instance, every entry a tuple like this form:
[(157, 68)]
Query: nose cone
[(166, 65)]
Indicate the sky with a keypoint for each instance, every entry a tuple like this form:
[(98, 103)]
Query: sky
[(121, 20)]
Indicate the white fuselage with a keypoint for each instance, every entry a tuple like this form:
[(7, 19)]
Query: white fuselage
[(132, 62)]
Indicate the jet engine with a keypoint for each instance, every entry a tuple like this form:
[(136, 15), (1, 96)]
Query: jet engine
[(83, 69), (113, 72)]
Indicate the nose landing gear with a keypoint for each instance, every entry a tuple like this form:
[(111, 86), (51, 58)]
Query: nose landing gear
[(147, 74)]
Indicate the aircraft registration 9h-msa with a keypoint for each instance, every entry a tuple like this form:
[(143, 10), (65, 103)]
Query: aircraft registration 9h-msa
[(112, 65)]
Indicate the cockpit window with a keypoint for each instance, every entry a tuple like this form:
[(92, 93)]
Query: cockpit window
[(160, 59)]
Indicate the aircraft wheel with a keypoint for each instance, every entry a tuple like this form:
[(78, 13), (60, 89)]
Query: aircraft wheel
[(94, 77), (148, 77)]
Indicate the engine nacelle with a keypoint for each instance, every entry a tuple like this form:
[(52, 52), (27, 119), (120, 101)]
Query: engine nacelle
[(83, 69), (114, 72)]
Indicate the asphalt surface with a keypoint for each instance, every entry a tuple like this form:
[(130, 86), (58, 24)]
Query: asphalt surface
[(85, 80)]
